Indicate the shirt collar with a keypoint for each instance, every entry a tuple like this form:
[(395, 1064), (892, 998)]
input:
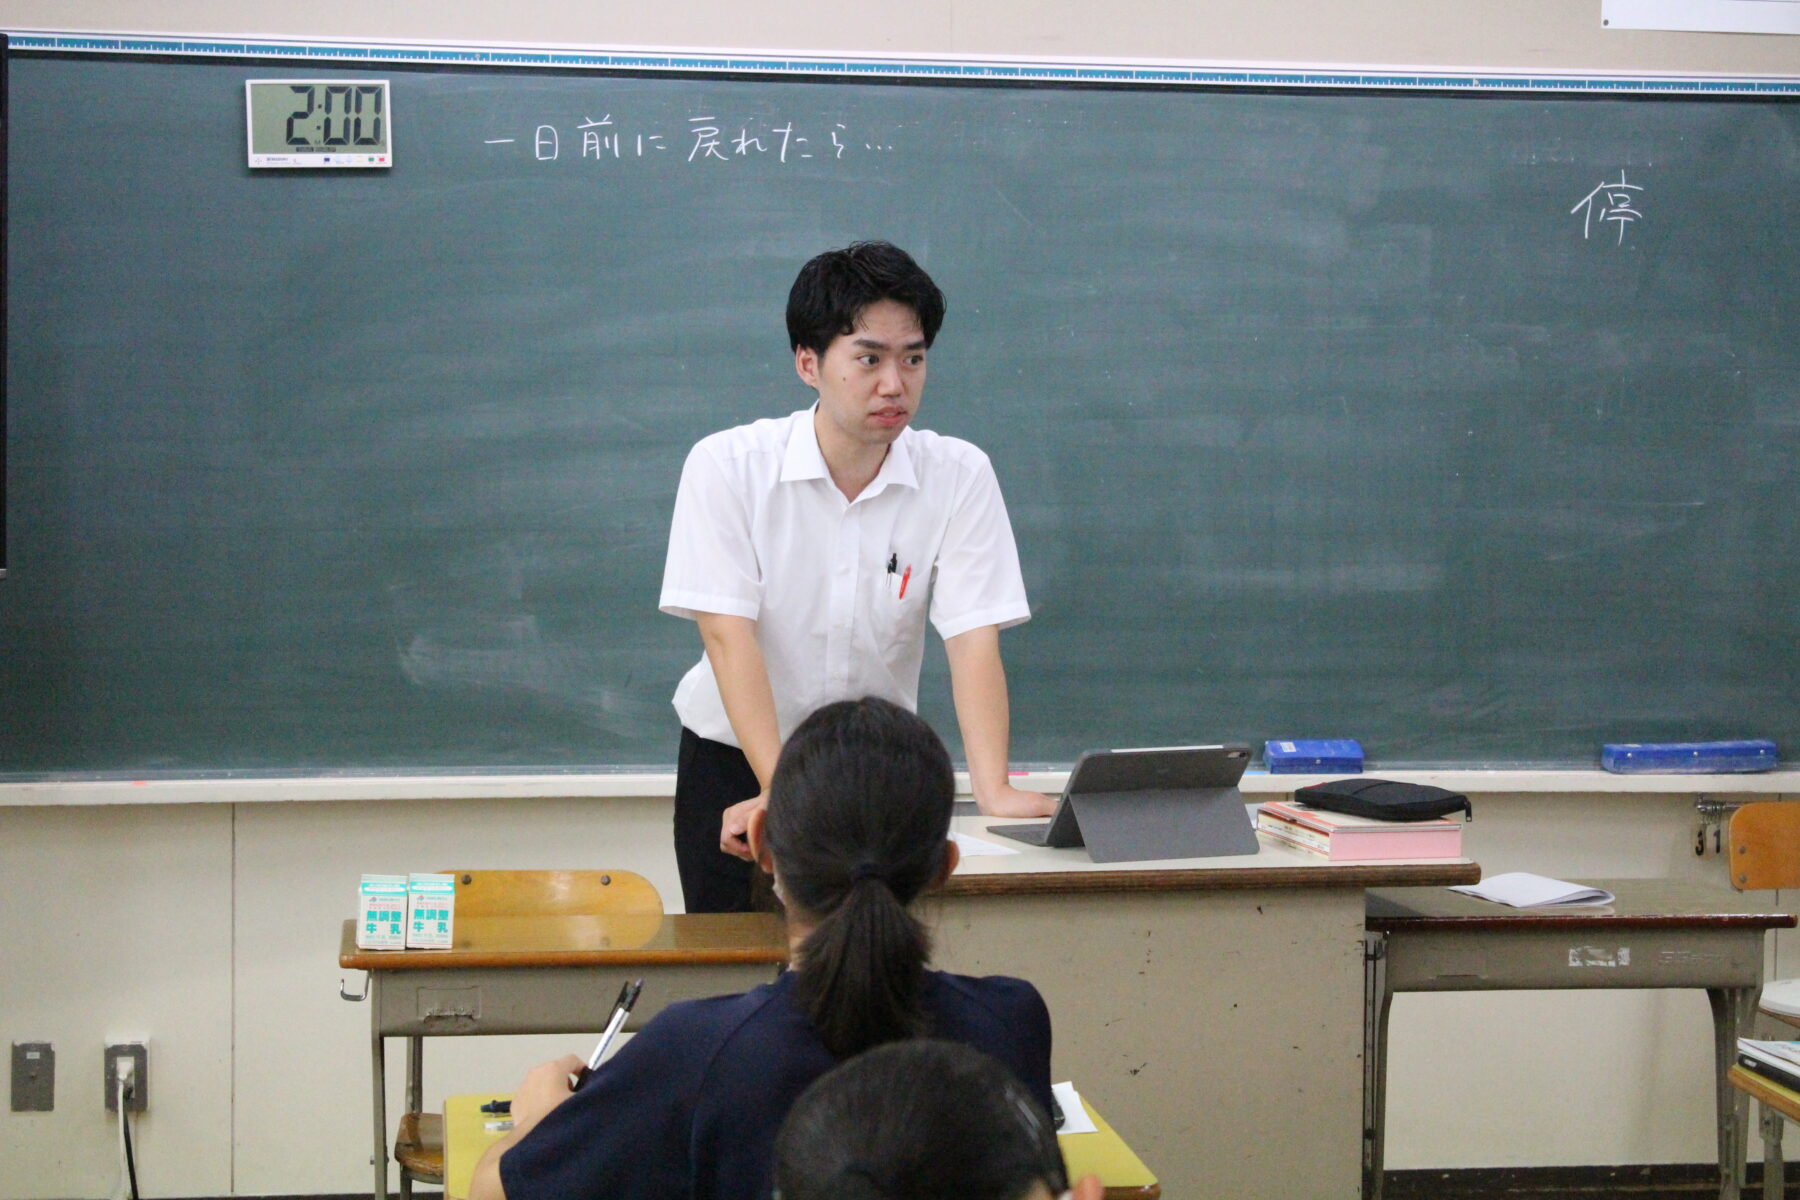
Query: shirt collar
[(804, 459)]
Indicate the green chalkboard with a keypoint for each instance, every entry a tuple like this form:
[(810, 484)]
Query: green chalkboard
[(1465, 425)]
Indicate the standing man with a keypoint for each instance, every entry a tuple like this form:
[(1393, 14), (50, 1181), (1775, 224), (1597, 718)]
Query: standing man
[(810, 550)]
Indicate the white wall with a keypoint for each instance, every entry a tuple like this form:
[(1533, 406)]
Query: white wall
[(212, 928)]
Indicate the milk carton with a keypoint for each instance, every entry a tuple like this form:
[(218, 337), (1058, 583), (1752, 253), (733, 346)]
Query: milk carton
[(381, 913), (430, 911)]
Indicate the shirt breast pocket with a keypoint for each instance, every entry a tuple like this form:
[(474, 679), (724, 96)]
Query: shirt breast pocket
[(904, 604)]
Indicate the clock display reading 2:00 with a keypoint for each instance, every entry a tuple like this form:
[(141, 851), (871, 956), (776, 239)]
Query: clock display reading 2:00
[(319, 122), (358, 116)]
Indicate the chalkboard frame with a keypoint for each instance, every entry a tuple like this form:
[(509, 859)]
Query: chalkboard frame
[(864, 72)]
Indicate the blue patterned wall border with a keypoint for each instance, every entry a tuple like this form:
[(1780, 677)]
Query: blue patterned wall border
[(972, 70)]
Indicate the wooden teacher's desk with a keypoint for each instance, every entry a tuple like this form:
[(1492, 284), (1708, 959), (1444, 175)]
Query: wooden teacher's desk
[(1200, 1003), (548, 975), (1658, 934)]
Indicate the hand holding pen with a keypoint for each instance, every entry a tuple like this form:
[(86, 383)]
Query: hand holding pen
[(621, 1009), (547, 1085)]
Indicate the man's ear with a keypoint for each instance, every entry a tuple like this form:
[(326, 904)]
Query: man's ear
[(756, 833), (806, 365), (1090, 1188)]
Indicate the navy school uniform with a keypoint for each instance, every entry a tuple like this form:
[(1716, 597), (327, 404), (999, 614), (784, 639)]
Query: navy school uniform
[(691, 1105)]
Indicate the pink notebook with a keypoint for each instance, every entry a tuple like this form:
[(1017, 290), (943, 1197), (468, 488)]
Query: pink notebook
[(1341, 837)]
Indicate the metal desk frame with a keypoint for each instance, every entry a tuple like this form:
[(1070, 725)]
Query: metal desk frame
[(1659, 935), (418, 994)]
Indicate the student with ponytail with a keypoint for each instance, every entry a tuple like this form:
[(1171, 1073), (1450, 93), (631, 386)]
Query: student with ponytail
[(857, 827)]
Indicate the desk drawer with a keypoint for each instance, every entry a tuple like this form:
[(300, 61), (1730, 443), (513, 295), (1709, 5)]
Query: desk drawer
[(1583, 958), (452, 1002)]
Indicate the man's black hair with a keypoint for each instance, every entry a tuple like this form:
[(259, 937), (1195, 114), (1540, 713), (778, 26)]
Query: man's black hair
[(832, 291)]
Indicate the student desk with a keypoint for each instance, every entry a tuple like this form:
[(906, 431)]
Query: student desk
[(1659, 934), (1103, 1152), (1194, 1001), (548, 975)]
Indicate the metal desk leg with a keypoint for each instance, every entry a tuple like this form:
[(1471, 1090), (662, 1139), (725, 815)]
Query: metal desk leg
[(1732, 1010), (1376, 1003), (378, 1057), (1774, 1167), (415, 1098)]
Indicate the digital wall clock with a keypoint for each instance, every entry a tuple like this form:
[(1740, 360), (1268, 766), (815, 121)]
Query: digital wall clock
[(319, 122)]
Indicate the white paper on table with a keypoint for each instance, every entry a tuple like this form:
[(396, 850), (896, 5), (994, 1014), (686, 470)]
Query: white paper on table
[(1075, 1118), (974, 847), (1522, 889), (1788, 1052)]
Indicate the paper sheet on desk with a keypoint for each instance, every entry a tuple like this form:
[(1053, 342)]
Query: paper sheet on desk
[(1075, 1118), (1522, 889), (1786, 1052), (974, 847)]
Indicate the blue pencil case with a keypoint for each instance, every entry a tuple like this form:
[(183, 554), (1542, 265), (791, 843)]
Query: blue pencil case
[(1314, 756), (1689, 758)]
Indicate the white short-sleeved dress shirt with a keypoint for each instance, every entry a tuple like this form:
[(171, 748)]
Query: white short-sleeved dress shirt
[(839, 589)]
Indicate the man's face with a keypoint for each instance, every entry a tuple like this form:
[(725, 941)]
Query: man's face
[(869, 380)]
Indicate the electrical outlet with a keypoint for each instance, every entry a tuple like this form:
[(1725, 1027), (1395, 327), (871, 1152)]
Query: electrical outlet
[(139, 1097), (33, 1077)]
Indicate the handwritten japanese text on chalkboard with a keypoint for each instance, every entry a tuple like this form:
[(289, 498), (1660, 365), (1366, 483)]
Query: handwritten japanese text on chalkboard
[(1610, 202), (705, 138)]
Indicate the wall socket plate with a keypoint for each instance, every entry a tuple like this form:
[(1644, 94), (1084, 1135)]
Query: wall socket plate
[(139, 1053), (33, 1077)]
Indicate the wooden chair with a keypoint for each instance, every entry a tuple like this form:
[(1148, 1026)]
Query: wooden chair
[(419, 1145), (1764, 842)]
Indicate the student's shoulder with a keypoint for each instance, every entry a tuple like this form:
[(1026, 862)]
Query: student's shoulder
[(758, 1043), (1000, 995), (996, 1014), (705, 1024), (680, 1044)]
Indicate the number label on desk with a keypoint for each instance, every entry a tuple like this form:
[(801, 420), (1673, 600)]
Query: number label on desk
[(1599, 956)]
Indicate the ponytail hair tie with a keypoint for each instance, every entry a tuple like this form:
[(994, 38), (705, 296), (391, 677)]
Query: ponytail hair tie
[(866, 869)]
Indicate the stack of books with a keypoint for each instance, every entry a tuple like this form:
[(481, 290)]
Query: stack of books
[(1778, 1062), (1341, 837)]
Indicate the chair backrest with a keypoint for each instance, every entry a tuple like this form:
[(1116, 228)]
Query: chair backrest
[(1765, 846), (554, 894)]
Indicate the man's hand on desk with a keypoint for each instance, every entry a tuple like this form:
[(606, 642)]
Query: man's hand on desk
[(732, 838), (1009, 801)]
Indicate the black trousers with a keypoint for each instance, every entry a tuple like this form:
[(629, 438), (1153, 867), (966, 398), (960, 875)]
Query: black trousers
[(709, 778)]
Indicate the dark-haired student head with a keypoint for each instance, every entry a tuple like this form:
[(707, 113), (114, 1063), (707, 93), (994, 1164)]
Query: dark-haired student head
[(834, 289), (857, 827), (921, 1120)]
